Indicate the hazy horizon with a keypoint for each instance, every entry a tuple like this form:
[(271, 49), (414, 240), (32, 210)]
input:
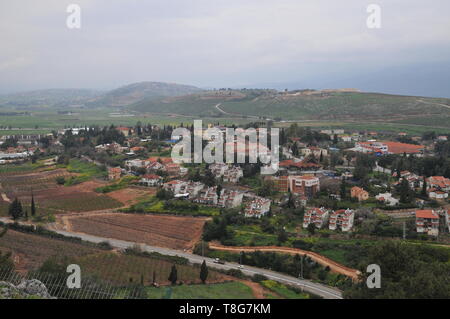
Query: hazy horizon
[(255, 44)]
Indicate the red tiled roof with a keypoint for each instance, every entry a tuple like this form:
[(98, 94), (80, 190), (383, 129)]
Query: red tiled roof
[(426, 214)]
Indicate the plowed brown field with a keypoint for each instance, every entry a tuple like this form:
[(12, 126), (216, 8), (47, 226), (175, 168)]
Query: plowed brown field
[(155, 230)]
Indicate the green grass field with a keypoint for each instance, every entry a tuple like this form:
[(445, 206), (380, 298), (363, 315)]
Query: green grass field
[(229, 290)]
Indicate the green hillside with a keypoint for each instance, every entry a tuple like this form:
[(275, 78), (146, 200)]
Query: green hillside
[(142, 91), (299, 105)]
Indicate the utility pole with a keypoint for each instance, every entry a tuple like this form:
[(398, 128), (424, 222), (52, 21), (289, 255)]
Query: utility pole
[(404, 230), (301, 267)]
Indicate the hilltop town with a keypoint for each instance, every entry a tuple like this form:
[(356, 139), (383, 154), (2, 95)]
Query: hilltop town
[(336, 192)]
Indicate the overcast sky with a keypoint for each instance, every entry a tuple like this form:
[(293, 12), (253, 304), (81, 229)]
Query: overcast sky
[(229, 43)]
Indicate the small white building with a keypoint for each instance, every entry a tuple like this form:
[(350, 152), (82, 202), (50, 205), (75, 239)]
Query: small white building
[(388, 199), (151, 180)]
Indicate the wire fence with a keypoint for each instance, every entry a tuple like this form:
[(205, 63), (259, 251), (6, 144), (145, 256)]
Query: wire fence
[(57, 286)]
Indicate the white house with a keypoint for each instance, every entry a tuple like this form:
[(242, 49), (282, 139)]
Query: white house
[(230, 198), (258, 207), (388, 199), (151, 180)]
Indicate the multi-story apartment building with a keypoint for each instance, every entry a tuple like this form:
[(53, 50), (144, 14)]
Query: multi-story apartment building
[(304, 185), (258, 207), (230, 198), (207, 196), (341, 219), (316, 216), (427, 221)]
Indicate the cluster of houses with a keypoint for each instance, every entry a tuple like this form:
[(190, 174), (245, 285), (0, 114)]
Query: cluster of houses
[(229, 174), (340, 219), (437, 187), (197, 192)]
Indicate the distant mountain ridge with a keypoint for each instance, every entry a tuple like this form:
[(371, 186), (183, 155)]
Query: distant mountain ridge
[(122, 96), (187, 100), (137, 92)]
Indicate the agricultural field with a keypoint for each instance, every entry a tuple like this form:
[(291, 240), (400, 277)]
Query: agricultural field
[(121, 269), (132, 195), (30, 251), (156, 230), (51, 197)]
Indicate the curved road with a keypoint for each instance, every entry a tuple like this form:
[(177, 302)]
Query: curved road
[(315, 288), (306, 285)]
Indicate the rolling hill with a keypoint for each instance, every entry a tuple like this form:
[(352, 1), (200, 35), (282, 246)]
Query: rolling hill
[(141, 92), (299, 105), (186, 100), (48, 97)]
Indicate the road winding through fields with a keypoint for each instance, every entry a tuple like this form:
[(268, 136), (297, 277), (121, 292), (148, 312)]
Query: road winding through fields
[(315, 288), (306, 285)]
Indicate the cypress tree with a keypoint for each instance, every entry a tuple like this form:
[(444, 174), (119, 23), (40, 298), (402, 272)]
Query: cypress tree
[(33, 206), (15, 209), (173, 275), (203, 272)]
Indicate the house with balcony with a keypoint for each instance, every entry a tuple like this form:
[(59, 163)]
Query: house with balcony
[(427, 221), (316, 216), (230, 198), (341, 219), (207, 196), (151, 180), (257, 207)]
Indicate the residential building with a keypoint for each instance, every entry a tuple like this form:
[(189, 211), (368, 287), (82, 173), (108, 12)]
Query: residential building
[(135, 163), (151, 180), (314, 150), (218, 169), (359, 193), (342, 219), (230, 198), (258, 207), (427, 221), (387, 198), (316, 216), (232, 175), (114, 173), (207, 196), (175, 186), (304, 185)]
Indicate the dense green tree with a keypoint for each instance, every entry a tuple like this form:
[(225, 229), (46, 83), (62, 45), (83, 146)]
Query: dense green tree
[(203, 272), (33, 206), (173, 276), (15, 209)]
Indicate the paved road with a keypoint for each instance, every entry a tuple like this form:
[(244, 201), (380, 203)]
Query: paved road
[(308, 286), (318, 289)]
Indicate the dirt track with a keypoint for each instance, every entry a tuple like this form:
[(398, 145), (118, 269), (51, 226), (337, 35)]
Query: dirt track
[(334, 266)]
